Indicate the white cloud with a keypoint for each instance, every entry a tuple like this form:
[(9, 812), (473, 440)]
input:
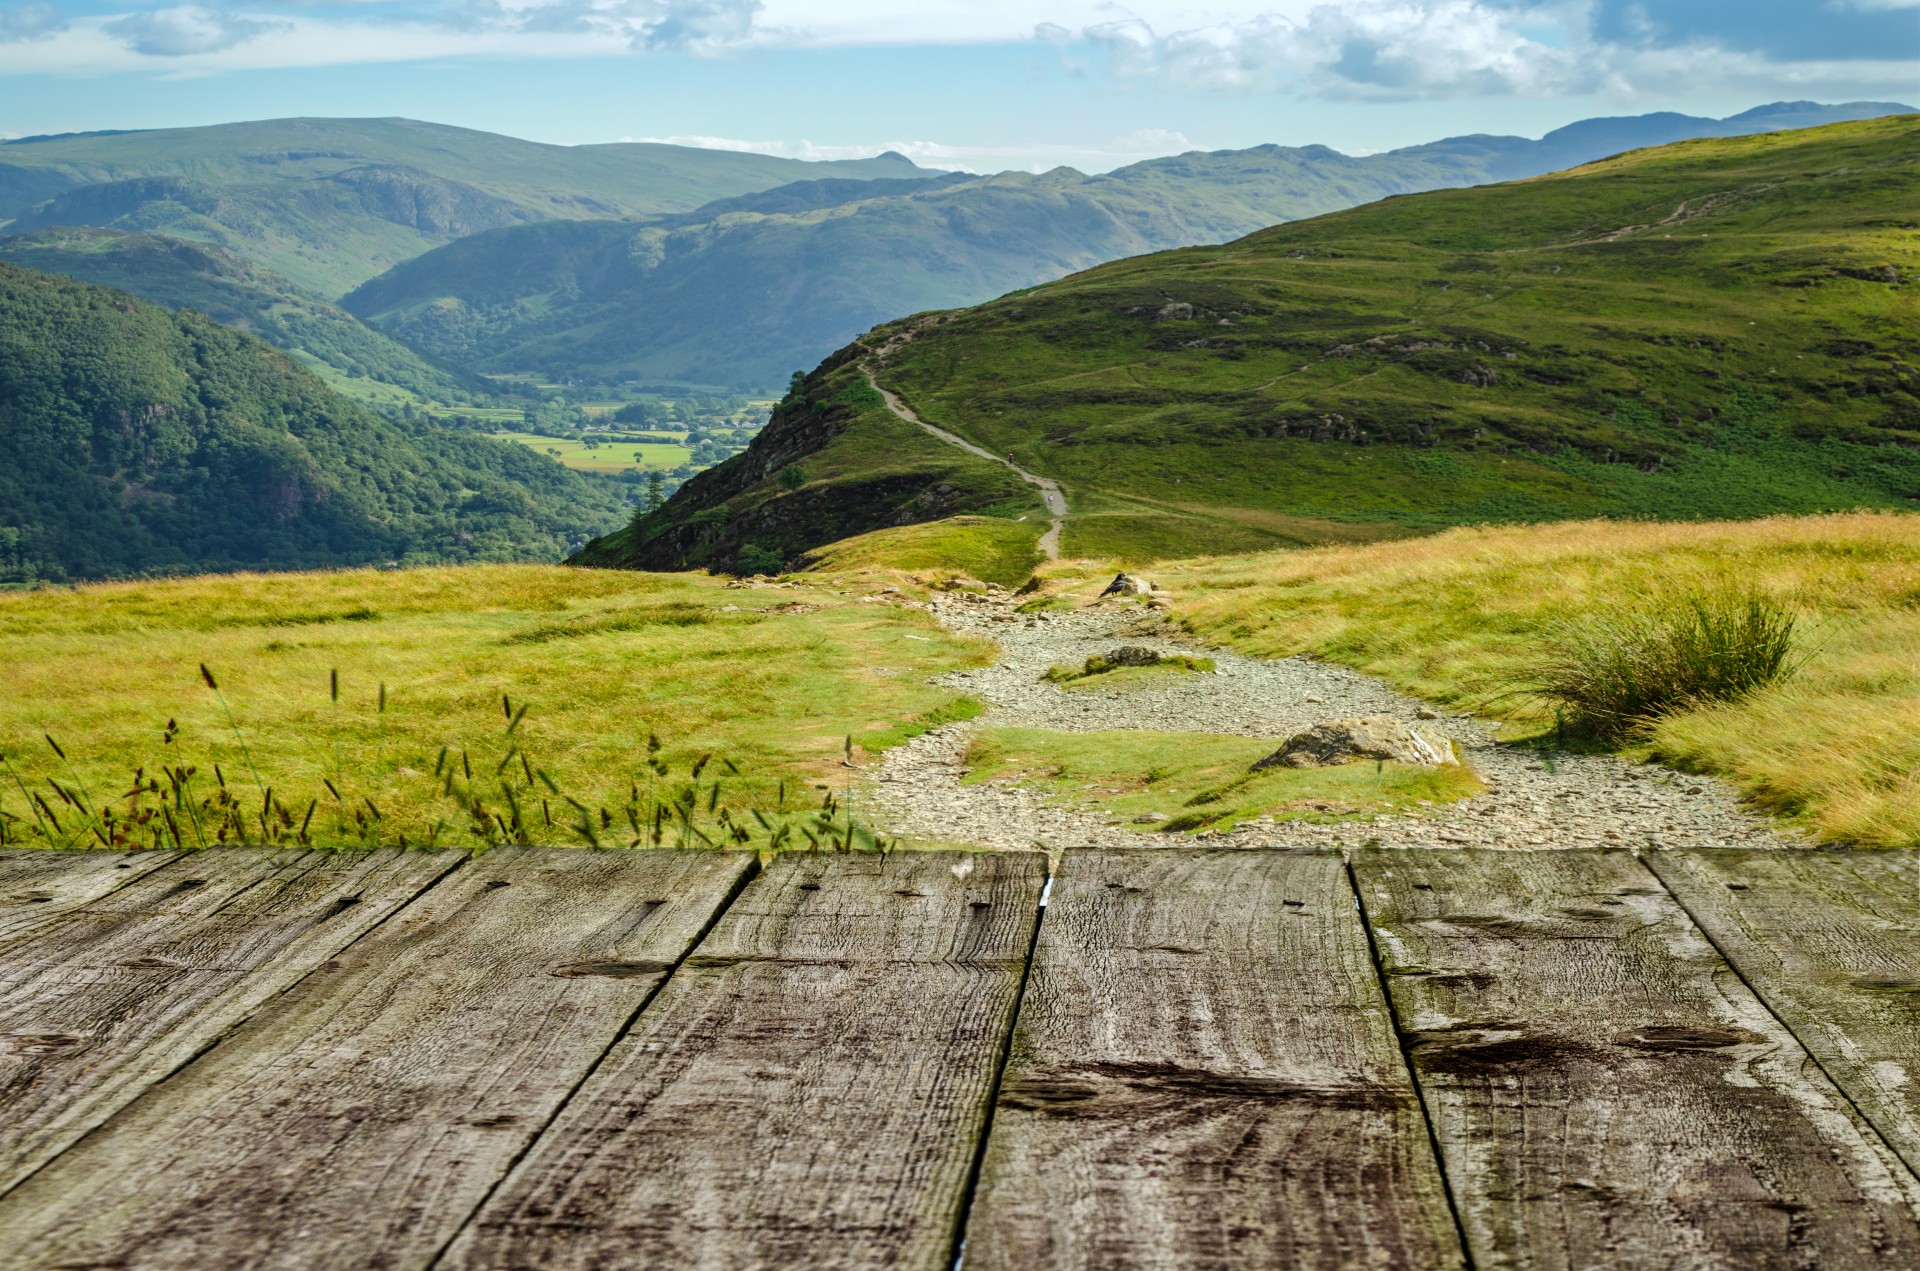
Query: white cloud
[(186, 29), (1373, 48), (23, 22)]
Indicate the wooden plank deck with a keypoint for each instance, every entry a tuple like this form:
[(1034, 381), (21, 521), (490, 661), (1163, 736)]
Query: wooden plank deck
[(809, 1090), (1205, 1075), (388, 1092), (1832, 941), (106, 999), (1605, 1094), (1187, 1058)]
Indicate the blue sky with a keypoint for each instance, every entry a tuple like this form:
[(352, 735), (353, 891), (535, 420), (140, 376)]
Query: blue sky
[(981, 84)]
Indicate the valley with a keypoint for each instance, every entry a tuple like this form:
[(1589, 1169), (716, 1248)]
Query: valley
[(960, 637)]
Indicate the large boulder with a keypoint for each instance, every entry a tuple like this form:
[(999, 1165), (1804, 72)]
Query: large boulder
[(1367, 737), (1127, 585)]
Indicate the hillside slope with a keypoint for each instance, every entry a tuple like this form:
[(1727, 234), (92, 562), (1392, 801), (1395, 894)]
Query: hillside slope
[(177, 274), (330, 203), (1721, 328), (743, 291), (140, 440)]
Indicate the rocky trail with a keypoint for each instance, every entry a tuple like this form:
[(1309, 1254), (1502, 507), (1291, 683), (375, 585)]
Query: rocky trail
[(1534, 801), (1050, 491)]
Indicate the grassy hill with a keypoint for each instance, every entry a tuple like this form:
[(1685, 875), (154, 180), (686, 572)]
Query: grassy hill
[(1719, 328), (178, 274), (142, 440), (330, 203), (746, 289)]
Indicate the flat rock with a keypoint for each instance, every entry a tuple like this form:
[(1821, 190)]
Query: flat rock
[(1363, 737)]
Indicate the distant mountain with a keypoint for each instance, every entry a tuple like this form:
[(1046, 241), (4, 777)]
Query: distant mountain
[(330, 203), (178, 274), (141, 440), (1720, 328), (743, 291)]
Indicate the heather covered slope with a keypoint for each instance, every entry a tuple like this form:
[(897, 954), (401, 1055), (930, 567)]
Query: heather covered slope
[(140, 440), (1720, 328)]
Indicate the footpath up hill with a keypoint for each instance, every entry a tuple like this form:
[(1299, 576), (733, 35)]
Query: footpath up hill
[(1721, 328)]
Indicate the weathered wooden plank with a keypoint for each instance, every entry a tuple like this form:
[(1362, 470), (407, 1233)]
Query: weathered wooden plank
[(360, 1118), (1605, 1092), (35, 885), (110, 998), (1830, 941), (808, 1089), (1205, 1074)]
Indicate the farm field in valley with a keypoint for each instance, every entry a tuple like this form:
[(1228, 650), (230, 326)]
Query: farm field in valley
[(603, 456)]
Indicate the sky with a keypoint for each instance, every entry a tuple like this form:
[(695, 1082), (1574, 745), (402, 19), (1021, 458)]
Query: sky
[(976, 84)]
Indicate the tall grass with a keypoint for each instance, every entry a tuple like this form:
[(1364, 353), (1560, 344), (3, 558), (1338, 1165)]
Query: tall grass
[(1614, 674), (626, 681), (1469, 618), (507, 797)]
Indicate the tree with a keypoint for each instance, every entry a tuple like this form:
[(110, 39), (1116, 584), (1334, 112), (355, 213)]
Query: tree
[(656, 492)]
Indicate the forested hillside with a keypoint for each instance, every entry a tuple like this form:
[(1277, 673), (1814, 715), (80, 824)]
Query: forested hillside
[(179, 274), (142, 440), (1720, 328), (741, 292)]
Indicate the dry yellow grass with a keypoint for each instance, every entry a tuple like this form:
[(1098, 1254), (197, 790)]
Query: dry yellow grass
[(600, 659), (1464, 618)]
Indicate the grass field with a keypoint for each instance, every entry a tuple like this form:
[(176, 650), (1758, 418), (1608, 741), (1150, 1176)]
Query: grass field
[(598, 660), (1465, 617), (605, 457)]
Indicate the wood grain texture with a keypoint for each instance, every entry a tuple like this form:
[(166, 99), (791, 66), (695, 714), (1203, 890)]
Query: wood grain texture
[(1205, 1074), (36, 886), (1606, 1093), (807, 1090), (108, 999), (1831, 941), (360, 1118)]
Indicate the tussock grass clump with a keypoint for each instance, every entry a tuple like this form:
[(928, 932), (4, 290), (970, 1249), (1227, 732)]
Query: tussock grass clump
[(1613, 675)]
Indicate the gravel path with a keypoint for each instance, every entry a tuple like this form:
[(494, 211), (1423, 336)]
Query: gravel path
[(1580, 801), (1050, 491)]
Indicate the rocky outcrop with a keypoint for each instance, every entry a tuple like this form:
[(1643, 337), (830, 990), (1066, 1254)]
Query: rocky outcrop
[(1380, 737)]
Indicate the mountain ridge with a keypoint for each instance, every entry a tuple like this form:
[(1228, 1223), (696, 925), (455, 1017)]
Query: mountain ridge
[(742, 292), (1713, 329), (329, 203)]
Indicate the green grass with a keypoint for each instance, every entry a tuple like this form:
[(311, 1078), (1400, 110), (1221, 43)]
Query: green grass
[(1201, 781), (599, 661), (1512, 353), (604, 457), (1473, 618), (1618, 674), (1097, 677), (991, 549)]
